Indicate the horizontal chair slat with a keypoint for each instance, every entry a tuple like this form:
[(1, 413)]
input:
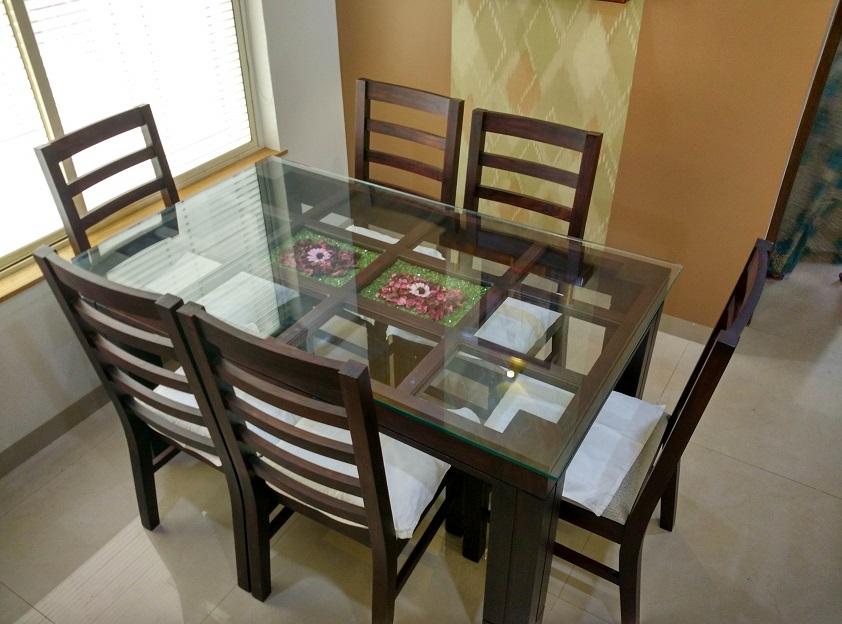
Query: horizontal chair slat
[(525, 128), (402, 189), (120, 331), (406, 164), (411, 98), (281, 398), (302, 467), (110, 353), (84, 182), (78, 140), (308, 496), (103, 211), (523, 201), (530, 168), (405, 132), (161, 403)]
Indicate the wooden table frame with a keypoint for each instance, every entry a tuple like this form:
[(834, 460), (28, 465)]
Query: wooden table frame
[(526, 499)]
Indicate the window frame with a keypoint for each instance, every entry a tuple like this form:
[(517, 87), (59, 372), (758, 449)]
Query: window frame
[(39, 82)]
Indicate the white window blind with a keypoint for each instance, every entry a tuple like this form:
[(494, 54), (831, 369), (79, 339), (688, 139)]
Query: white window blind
[(28, 208), (181, 57), (101, 57)]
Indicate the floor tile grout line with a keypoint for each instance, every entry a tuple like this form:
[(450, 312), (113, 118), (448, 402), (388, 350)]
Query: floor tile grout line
[(26, 602), (772, 472), (88, 448)]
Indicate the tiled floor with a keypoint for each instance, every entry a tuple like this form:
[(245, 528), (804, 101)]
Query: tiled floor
[(758, 537)]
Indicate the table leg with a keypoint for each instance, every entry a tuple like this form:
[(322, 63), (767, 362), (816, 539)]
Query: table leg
[(520, 553), (633, 379)]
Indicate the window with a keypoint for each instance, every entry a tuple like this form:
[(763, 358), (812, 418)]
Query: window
[(67, 63)]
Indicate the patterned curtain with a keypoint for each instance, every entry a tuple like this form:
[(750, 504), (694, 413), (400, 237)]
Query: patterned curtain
[(812, 222)]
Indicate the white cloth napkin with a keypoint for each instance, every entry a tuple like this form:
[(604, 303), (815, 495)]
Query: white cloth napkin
[(427, 251), (609, 450), (517, 324)]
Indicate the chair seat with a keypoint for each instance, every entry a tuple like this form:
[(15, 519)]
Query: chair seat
[(517, 325), (621, 505), (249, 303), (610, 465), (412, 477)]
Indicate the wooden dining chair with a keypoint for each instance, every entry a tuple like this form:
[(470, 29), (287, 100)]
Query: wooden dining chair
[(67, 188), (330, 465), (450, 109), (588, 143), (654, 474), (134, 343)]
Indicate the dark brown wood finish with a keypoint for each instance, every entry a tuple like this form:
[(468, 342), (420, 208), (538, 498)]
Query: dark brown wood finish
[(321, 390), (66, 192), (134, 343), (450, 109), (661, 483), (505, 460), (582, 181)]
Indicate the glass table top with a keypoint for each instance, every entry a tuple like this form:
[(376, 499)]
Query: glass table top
[(503, 335)]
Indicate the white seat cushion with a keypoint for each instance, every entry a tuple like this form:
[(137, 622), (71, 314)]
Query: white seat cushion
[(249, 303), (517, 325), (385, 238), (412, 477), (610, 450)]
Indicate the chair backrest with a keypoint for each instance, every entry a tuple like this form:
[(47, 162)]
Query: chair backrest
[(316, 430), (133, 342), (450, 109), (704, 380), (581, 181), (67, 193)]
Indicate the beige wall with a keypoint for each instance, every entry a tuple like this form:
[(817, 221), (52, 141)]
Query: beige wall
[(717, 95), (566, 61), (405, 42)]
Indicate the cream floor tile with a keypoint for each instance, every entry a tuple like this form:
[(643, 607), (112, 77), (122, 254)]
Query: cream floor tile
[(20, 483), (319, 575), (806, 306), (562, 612), (41, 551), (778, 409), (572, 537), (15, 610), (667, 354), (63, 523), (748, 546), (679, 377)]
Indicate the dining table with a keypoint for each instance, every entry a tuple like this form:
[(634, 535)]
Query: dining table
[(491, 344)]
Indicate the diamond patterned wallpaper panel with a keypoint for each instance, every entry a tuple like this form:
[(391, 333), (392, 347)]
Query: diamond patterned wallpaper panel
[(567, 61)]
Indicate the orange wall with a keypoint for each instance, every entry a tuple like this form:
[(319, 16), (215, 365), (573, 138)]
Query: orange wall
[(716, 98), (405, 42)]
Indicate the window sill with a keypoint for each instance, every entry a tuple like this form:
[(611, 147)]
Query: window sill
[(26, 273)]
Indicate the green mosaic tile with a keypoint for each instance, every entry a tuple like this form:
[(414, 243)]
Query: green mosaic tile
[(323, 258), (425, 292)]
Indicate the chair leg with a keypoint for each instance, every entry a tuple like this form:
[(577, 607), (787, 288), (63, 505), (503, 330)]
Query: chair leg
[(455, 493), (475, 498), (669, 501), (238, 521), (630, 582), (257, 506), (141, 456), (384, 586)]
